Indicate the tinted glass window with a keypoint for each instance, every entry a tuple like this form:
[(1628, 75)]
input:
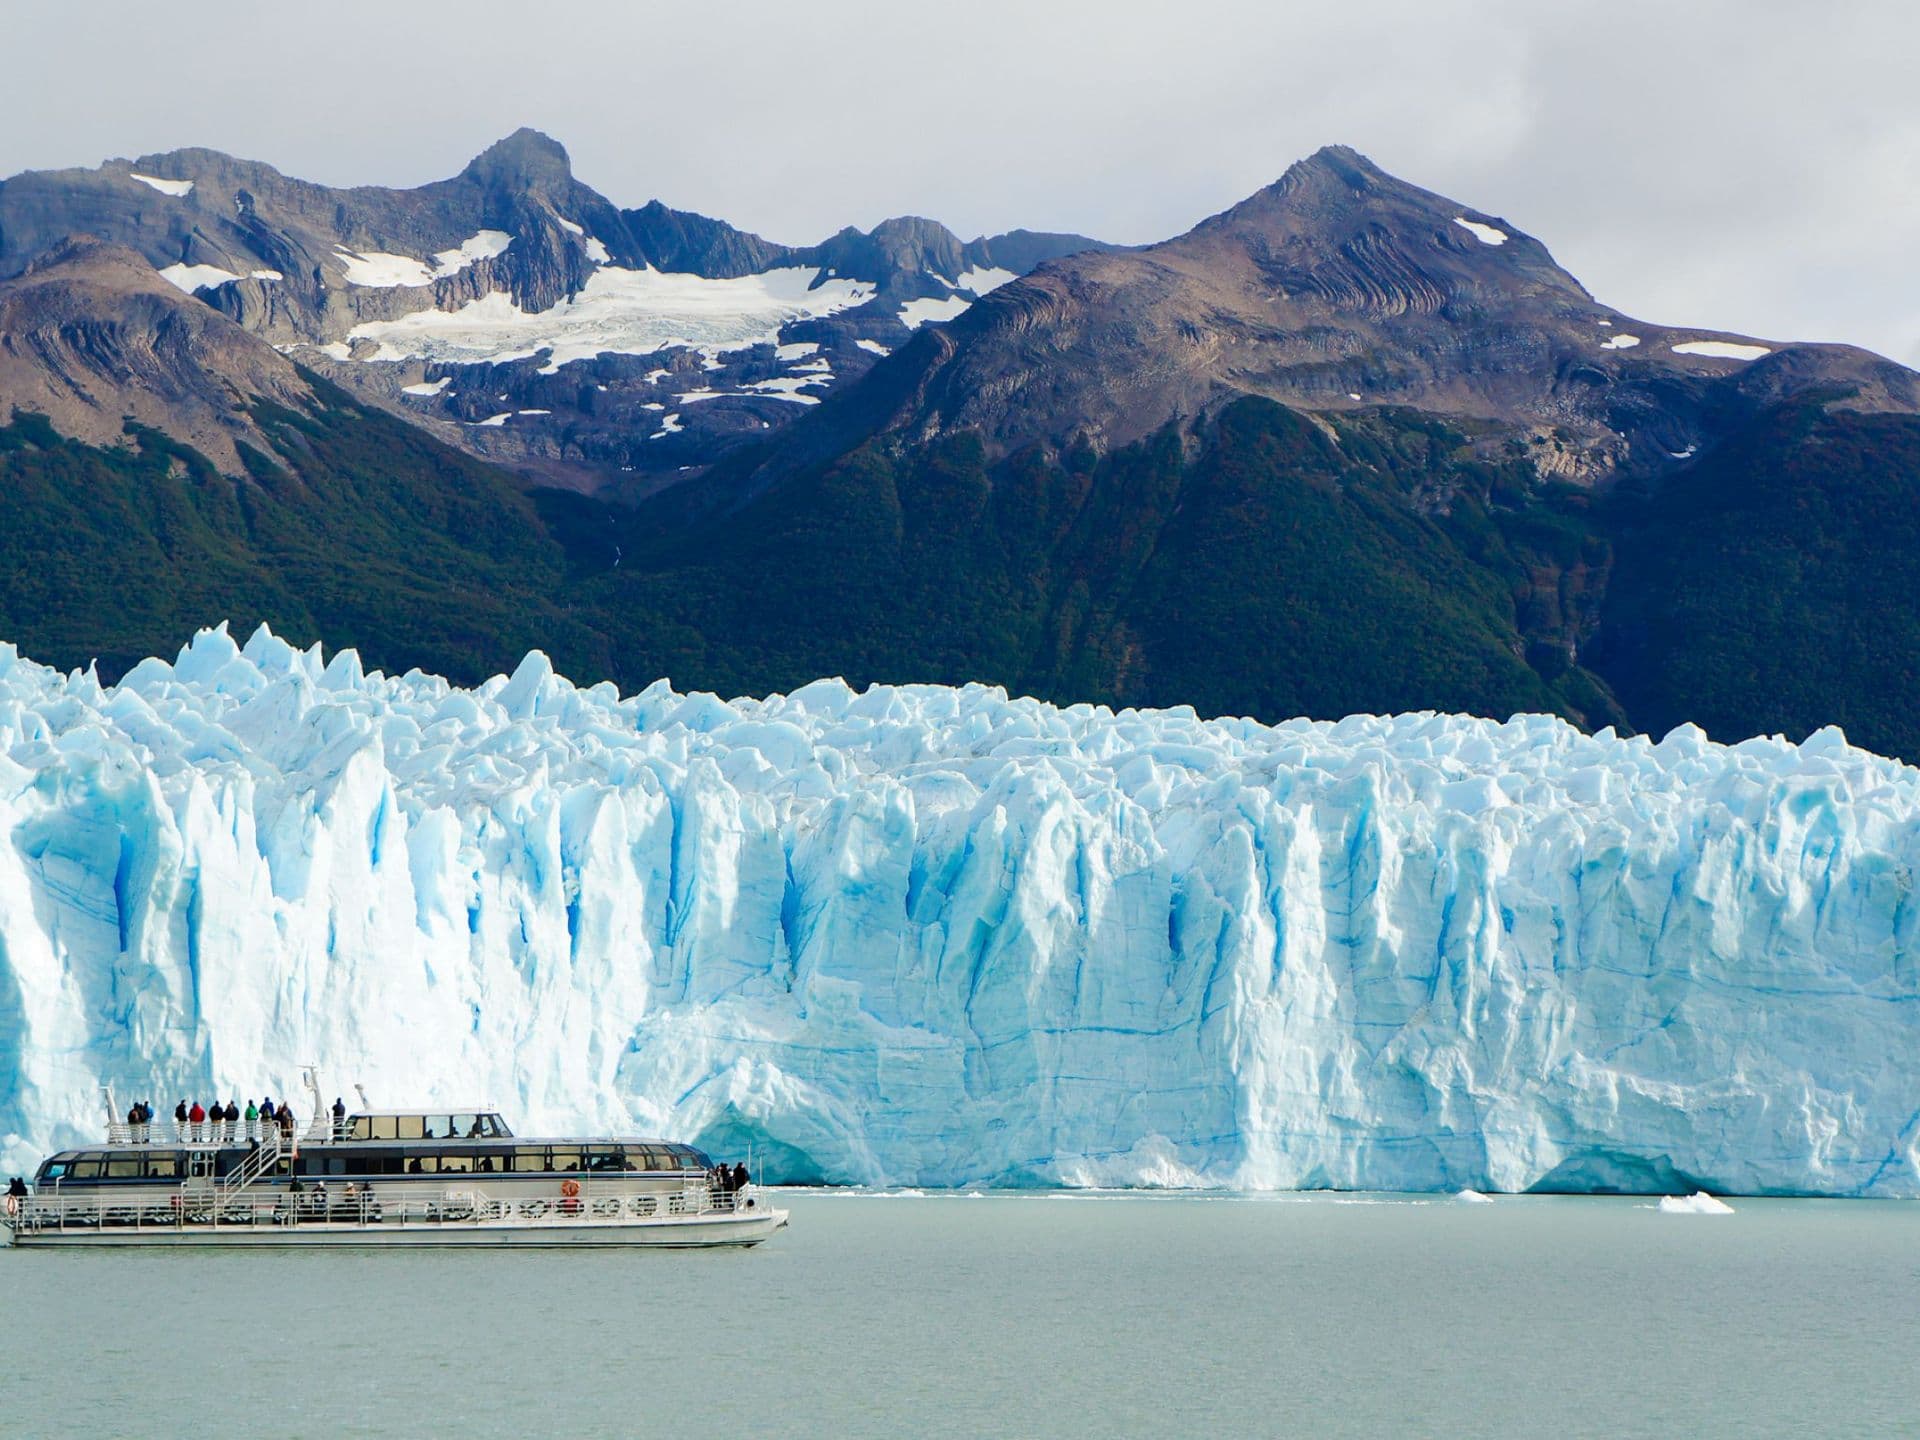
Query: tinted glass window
[(84, 1170), (360, 1128), (163, 1167), (384, 1127), (410, 1127), (564, 1158), (126, 1167), (456, 1164), (530, 1157), (54, 1170)]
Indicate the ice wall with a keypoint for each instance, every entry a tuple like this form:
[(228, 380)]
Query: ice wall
[(937, 936)]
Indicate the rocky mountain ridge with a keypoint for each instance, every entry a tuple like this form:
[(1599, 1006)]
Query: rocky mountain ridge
[(1338, 289), (521, 257)]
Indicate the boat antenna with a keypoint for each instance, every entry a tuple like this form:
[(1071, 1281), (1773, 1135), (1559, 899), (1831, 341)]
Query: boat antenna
[(361, 1091)]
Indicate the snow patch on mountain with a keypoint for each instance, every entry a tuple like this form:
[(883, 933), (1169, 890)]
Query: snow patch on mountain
[(618, 311), (382, 270), (915, 313), (919, 935), (1485, 234), (1721, 349), (178, 189)]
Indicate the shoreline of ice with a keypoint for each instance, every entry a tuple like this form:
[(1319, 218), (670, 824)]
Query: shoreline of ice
[(936, 937)]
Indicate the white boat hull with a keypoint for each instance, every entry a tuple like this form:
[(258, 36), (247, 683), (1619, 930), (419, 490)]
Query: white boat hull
[(667, 1232)]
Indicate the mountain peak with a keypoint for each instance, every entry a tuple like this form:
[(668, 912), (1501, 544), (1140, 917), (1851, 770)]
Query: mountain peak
[(526, 159)]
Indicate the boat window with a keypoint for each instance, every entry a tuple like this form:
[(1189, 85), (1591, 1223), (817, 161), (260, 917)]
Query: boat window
[(423, 1164), (360, 1127), (494, 1128), (484, 1165), (84, 1169), (456, 1164), (466, 1127), (530, 1157), (563, 1158), (54, 1170), (336, 1165), (163, 1167), (126, 1167), (410, 1127)]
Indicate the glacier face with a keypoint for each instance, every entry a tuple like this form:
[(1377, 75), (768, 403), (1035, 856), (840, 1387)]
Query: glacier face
[(936, 936)]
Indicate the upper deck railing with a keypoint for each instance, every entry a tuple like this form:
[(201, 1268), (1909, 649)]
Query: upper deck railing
[(201, 1205)]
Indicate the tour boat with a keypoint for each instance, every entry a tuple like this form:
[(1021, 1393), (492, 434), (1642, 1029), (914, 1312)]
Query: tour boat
[(376, 1178)]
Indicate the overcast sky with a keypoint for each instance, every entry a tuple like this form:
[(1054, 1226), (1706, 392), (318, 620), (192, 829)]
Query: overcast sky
[(1746, 165)]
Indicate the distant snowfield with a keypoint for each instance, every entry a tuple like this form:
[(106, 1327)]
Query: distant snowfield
[(1721, 349), (915, 313), (1485, 234), (1620, 342), (193, 278), (620, 311), (379, 270), (176, 188), (920, 935)]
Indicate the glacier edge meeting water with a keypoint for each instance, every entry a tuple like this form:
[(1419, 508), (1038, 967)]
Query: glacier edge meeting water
[(935, 936)]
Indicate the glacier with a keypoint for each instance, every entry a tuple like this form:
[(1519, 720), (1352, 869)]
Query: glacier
[(934, 936)]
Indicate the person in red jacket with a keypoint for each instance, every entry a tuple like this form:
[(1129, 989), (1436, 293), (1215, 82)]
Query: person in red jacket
[(196, 1120)]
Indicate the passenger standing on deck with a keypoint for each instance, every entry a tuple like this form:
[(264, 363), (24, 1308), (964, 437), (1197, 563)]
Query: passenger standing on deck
[(339, 1119), (285, 1118), (146, 1121), (196, 1121), (180, 1121), (740, 1176), (232, 1132), (253, 1121)]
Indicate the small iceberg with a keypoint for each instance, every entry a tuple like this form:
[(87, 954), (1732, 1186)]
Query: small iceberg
[(1698, 1203), (1473, 1197)]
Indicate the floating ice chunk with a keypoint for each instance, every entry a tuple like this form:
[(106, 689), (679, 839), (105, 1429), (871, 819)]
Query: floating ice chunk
[(427, 387), (1721, 349), (1485, 234), (1620, 342), (1698, 1203), (1473, 1197), (175, 188)]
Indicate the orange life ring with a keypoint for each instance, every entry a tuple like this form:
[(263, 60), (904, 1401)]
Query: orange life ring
[(13, 1204), (570, 1188)]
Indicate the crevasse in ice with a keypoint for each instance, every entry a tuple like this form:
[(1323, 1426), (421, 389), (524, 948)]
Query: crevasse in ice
[(932, 936)]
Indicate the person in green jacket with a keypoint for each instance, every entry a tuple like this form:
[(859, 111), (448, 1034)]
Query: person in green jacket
[(253, 1121)]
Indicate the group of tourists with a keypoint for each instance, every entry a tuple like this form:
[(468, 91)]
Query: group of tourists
[(722, 1181), (216, 1124)]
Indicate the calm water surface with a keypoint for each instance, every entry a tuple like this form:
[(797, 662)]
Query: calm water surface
[(1013, 1315)]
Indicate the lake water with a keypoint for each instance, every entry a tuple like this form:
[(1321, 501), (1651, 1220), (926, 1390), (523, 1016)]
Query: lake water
[(1012, 1315)]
